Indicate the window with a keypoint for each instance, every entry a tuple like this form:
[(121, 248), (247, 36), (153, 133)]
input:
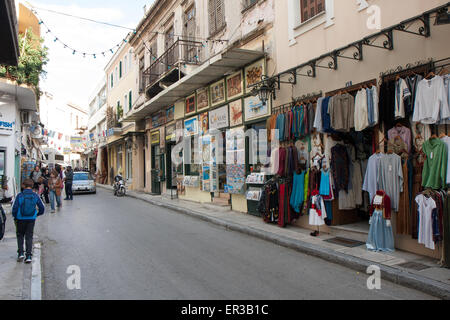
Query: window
[(115, 74), (125, 65), (112, 80), (120, 70), (130, 101), (125, 104), (248, 3), (216, 16), (141, 75), (130, 60), (311, 8)]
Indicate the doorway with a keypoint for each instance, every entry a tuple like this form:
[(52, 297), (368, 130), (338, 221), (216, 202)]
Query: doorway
[(157, 169)]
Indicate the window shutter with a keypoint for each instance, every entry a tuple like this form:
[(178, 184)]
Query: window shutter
[(211, 16), (130, 101), (220, 14)]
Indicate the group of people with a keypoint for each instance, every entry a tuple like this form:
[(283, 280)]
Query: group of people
[(49, 185)]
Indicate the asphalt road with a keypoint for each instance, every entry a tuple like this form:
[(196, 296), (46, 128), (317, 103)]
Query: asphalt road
[(129, 249)]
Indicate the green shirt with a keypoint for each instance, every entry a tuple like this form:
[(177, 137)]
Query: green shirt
[(434, 172)]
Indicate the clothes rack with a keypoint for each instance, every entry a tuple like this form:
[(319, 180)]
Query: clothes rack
[(353, 88)]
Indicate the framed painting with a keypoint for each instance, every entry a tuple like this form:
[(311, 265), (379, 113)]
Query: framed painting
[(191, 127), (217, 93), (218, 118), (190, 105), (170, 113), (236, 113), (235, 85), (202, 99), (255, 109), (253, 74), (204, 124)]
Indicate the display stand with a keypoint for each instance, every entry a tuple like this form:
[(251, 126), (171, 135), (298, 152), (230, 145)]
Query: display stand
[(255, 183)]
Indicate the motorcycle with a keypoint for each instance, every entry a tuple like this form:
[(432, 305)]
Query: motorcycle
[(119, 188)]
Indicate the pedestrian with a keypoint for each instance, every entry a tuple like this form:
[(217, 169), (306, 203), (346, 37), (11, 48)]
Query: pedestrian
[(35, 175), (46, 177), (68, 181), (26, 208), (54, 185)]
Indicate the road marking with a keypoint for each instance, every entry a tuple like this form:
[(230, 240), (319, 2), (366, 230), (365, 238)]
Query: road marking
[(36, 282)]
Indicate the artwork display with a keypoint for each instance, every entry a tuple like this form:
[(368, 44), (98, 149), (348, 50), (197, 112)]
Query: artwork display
[(218, 118), (255, 109), (217, 93), (202, 99), (179, 133), (170, 113), (253, 74), (204, 123), (235, 85), (170, 133), (235, 145), (236, 113), (191, 127), (190, 104)]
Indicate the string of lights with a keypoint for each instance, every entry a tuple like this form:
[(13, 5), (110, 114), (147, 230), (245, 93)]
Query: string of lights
[(205, 42)]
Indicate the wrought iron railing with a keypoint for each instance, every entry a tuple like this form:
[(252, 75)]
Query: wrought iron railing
[(181, 52)]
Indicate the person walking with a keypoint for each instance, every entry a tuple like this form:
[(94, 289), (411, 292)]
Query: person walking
[(54, 185), (35, 175), (26, 208), (68, 181), (46, 177)]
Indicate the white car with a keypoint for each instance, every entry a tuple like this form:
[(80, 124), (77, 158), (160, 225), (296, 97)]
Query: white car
[(83, 182)]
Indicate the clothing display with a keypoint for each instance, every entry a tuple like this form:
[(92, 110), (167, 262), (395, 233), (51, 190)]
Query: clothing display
[(361, 111), (425, 210), (342, 112), (403, 133), (401, 93), (298, 189), (434, 174), (431, 105), (381, 237), (390, 178), (317, 212)]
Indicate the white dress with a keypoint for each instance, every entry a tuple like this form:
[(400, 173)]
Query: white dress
[(426, 207), (314, 218)]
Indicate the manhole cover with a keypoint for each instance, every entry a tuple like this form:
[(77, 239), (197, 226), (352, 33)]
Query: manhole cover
[(414, 266), (345, 242)]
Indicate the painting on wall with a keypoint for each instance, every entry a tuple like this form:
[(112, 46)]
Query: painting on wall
[(170, 114), (255, 109), (235, 85), (236, 113), (190, 104), (179, 132), (253, 74), (191, 127), (218, 93), (204, 124), (202, 99), (218, 118)]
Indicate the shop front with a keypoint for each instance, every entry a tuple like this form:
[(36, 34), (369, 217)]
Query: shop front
[(363, 155)]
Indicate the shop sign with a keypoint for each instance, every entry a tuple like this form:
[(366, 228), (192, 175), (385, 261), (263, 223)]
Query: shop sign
[(154, 137), (7, 122), (218, 118)]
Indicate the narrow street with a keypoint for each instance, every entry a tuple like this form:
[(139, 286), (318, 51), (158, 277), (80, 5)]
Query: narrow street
[(128, 249)]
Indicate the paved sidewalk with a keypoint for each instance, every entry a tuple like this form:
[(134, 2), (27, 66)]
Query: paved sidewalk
[(13, 274), (431, 278)]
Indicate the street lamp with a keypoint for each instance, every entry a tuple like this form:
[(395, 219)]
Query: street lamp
[(265, 89)]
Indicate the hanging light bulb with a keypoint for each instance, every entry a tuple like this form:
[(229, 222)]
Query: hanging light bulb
[(74, 51)]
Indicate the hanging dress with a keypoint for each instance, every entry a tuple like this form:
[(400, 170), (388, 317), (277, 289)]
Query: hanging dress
[(381, 237), (298, 196), (317, 212)]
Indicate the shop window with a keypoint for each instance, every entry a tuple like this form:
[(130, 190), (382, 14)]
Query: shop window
[(191, 168), (311, 8), (256, 152)]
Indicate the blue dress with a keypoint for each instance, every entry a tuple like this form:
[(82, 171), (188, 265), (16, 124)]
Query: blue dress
[(381, 237), (325, 183), (298, 192)]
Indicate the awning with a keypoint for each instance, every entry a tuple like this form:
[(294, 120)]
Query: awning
[(215, 68), (9, 54), (25, 96)]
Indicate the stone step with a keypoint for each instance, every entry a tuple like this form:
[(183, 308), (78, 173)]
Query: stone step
[(357, 233)]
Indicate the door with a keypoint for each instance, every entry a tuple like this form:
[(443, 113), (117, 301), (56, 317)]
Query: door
[(156, 170), (169, 41), (171, 168)]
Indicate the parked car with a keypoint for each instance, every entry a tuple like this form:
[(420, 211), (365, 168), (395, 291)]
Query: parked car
[(83, 182)]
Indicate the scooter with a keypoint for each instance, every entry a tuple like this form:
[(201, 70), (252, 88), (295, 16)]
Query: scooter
[(119, 188)]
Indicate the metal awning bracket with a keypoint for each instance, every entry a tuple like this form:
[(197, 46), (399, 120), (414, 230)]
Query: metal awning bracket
[(388, 44), (357, 54), (424, 30)]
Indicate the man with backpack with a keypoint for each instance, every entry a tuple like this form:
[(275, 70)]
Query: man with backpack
[(26, 208), (68, 179)]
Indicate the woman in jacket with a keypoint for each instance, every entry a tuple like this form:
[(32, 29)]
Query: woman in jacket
[(54, 184)]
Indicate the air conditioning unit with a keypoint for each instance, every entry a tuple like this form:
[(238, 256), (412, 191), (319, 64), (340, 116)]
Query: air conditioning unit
[(36, 132), (25, 118)]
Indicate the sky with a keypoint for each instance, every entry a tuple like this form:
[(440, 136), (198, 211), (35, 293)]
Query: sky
[(72, 78)]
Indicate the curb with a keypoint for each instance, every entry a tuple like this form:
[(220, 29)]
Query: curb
[(397, 276)]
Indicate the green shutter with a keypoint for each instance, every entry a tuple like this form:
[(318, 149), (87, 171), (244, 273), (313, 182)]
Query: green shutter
[(120, 69), (129, 101)]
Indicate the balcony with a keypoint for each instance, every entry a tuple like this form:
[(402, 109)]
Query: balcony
[(167, 69)]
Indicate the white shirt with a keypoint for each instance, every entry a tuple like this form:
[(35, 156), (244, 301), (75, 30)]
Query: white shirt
[(375, 104), (431, 101), (361, 111), (426, 206), (318, 117), (401, 92)]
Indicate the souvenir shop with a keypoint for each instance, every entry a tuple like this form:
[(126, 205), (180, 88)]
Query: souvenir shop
[(372, 156)]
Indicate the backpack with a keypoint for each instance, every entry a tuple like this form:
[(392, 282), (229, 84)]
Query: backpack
[(2, 222), (28, 208)]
